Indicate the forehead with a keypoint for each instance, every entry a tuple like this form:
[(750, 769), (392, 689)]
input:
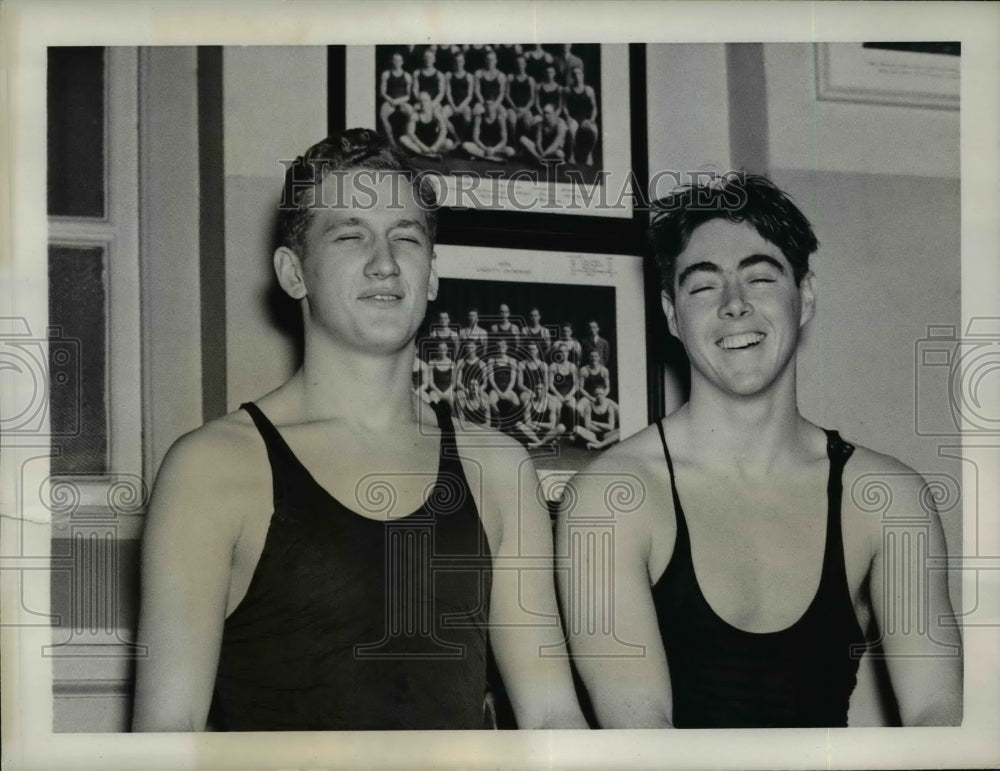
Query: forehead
[(725, 243), (369, 195)]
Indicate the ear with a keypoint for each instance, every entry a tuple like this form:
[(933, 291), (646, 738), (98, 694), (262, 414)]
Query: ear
[(433, 280), (807, 298), (288, 269), (669, 312)]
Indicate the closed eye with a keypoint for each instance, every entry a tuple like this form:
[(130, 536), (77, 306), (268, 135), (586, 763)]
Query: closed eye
[(700, 289)]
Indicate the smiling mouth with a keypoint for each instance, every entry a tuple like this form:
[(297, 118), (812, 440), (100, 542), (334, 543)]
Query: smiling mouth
[(382, 298), (740, 342)]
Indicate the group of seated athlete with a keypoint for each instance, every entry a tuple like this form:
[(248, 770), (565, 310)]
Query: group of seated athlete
[(524, 379), (493, 102)]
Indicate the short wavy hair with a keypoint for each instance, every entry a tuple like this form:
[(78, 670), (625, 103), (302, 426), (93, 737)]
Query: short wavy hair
[(356, 148), (737, 198)]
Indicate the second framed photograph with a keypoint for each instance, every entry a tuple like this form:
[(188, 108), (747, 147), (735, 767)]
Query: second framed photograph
[(549, 347)]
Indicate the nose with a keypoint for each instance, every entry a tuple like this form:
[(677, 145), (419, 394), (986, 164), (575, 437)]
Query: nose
[(381, 263), (734, 305)]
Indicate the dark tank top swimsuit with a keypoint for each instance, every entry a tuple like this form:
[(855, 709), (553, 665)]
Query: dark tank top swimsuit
[(442, 376), (395, 86), (563, 381), (490, 87), (592, 380), (490, 132), (724, 677), (579, 105), (352, 623), (429, 83), (503, 374), (460, 87), (520, 92), (427, 131), (533, 373), (549, 96)]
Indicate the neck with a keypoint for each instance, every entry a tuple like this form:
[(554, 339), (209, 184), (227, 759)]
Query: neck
[(752, 434), (369, 391)]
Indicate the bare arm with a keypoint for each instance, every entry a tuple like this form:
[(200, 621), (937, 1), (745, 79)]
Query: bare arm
[(409, 86), (490, 375), (187, 554), (476, 86), (525, 631), (383, 87), (611, 622), (436, 101), (415, 85), (505, 96), (924, 660)]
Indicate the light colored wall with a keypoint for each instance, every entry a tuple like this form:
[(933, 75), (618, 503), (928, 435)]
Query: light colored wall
[(687, 125), (806, 133), (274, 106), (880, 184), (169, 247)]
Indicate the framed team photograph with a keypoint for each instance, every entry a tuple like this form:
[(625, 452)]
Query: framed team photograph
[(548, 348), (535, 136)]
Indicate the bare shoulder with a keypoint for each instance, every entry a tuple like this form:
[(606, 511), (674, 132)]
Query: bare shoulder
[(223, 447), (640, 454), (879, 489), (628, 485), (494, 451), (211, 473)]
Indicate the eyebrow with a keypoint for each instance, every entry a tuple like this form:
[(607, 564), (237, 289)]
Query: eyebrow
[(408, 223), (746, 262), (351, 222)]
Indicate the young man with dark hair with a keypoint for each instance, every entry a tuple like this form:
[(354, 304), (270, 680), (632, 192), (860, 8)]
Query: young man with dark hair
[(746, 574), (323, 558)]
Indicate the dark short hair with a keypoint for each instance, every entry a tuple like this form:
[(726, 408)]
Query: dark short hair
[(349, 150), (749, 198)]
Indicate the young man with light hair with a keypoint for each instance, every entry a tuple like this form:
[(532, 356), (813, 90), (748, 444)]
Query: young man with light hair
[(325, 558)]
